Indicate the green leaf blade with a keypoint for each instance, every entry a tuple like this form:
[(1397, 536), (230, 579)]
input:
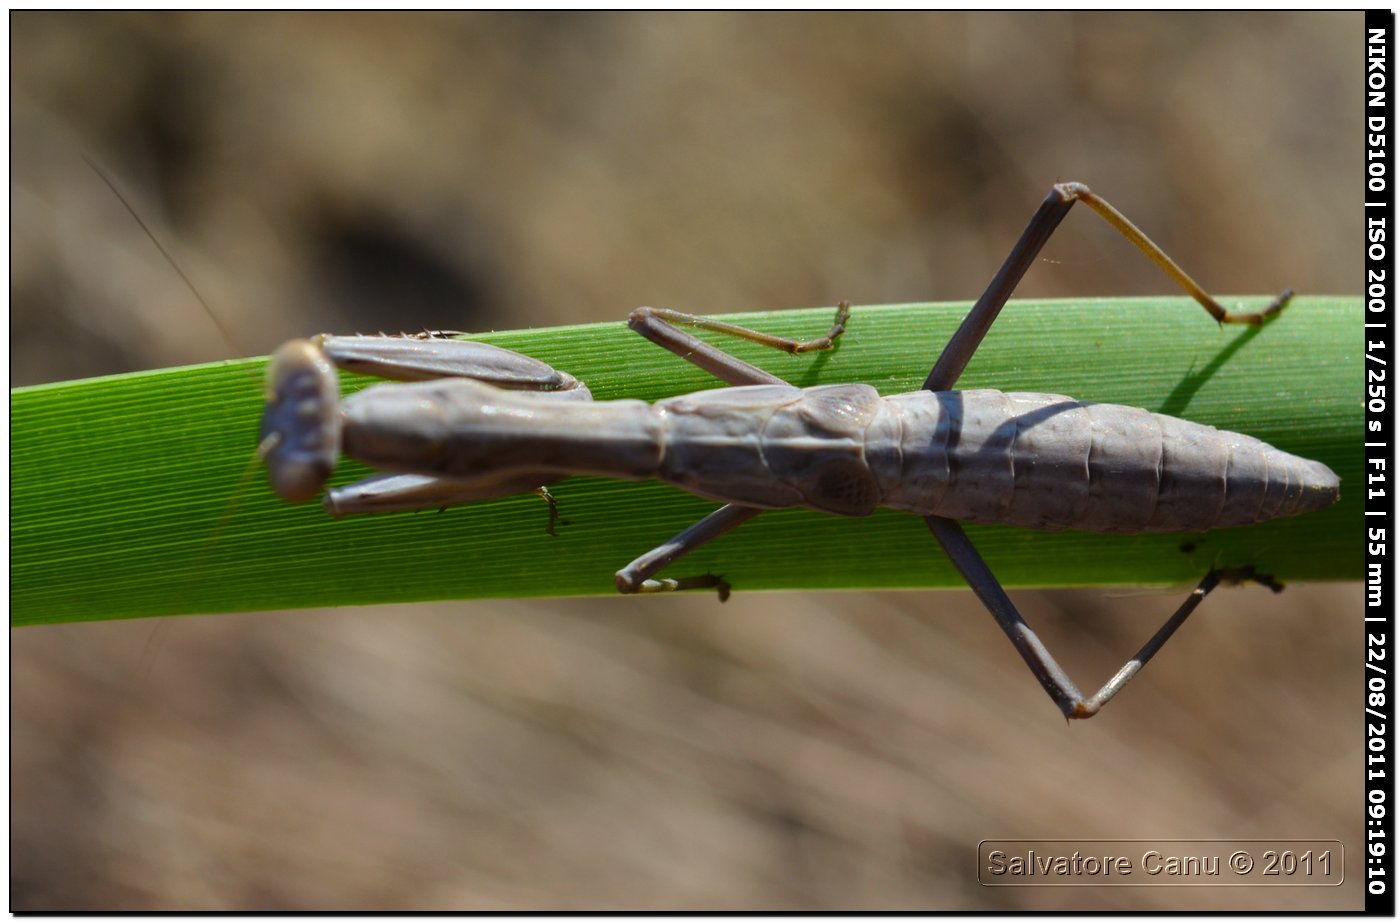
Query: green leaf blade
[(133, 496)]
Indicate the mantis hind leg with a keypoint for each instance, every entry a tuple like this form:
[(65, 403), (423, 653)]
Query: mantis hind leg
[(959, 350), (1071, 702)]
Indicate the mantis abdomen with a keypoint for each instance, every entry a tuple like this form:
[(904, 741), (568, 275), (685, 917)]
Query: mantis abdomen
[(1030, 460)]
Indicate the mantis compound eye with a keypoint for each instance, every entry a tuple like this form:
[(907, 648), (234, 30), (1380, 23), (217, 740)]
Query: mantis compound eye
[(300, 437)]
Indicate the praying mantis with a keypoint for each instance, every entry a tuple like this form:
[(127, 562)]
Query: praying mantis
[(476, 422)]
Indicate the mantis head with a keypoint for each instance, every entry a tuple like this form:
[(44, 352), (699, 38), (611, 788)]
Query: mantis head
[(300, 437)]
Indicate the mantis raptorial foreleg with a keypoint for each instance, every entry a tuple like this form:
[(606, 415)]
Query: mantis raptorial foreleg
[(426, 356), (416, 492), (304, 366)]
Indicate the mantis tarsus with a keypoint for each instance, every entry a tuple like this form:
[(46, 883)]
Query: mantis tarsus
[(482, 422)]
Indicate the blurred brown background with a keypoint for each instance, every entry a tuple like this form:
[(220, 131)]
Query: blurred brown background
[(367, 172)]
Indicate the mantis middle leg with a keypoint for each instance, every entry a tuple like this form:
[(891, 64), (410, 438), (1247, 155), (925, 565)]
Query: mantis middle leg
[(662, 327)]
